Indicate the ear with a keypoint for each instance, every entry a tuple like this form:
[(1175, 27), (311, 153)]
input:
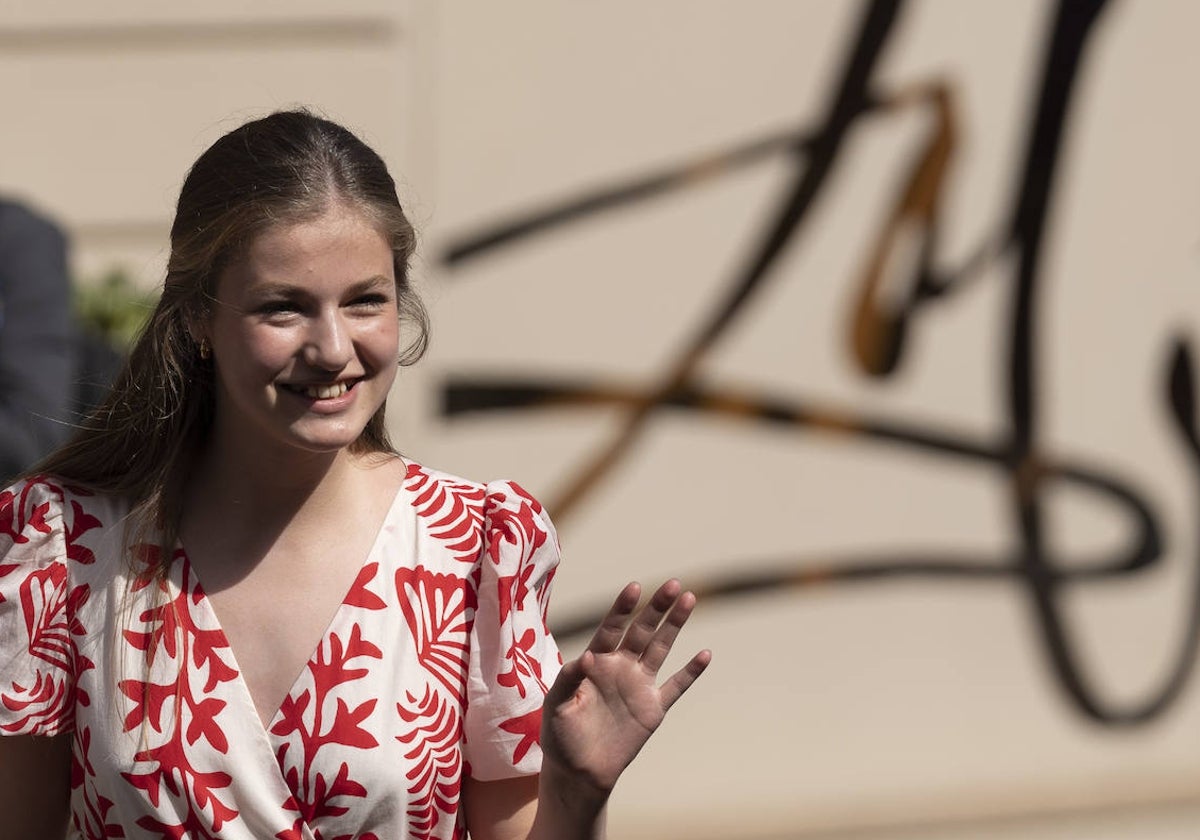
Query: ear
[(198, 330)]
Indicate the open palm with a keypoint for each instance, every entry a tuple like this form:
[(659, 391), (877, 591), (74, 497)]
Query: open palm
[(606, 704)]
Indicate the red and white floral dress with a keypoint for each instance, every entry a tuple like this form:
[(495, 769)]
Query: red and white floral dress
[(434, 666)]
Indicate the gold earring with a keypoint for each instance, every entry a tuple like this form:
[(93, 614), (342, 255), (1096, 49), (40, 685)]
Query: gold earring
[(205, 350)]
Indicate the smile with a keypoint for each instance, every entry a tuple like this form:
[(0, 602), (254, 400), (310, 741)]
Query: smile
[(323, 392)]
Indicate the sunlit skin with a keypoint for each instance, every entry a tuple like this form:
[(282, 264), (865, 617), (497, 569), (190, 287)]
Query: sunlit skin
[(311, 304)]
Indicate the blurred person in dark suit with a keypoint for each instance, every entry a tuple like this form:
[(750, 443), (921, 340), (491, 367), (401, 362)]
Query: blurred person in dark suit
[(37, 338)]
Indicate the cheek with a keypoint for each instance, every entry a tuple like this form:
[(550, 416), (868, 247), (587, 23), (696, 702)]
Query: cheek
[(249, 350), (381, 344)]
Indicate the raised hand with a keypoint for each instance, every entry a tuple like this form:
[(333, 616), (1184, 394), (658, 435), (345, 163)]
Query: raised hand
[(606, 704)]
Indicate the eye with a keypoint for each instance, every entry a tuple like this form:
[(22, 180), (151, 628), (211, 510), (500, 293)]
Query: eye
[(370, 301), (277, 308)]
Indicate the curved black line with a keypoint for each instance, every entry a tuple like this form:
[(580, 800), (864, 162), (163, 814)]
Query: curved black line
[(1017, 456), (1144, 549), (630, 191), (465, 395)]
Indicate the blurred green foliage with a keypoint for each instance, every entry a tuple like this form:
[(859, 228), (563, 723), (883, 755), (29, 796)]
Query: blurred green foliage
[(113, 307)]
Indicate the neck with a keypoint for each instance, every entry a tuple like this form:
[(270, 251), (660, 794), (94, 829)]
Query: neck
[(264, 483)]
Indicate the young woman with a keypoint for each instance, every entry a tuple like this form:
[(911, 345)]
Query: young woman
[(229, 609)]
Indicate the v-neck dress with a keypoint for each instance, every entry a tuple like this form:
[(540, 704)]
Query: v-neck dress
[(433, 668)]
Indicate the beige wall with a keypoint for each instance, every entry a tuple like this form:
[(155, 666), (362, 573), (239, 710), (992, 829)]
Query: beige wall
[(876, 710), (106, 106)]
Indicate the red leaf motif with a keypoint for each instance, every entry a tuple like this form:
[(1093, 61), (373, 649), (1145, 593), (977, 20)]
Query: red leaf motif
[(362, 597), (512, 590), (329, 671), (44, 605), (433, 739), (452, 509), (81, 523), (45, 704), (172, 639), (346, 726), (321, 803), (519, 527), (8, 515), (302, 719), (148, 701), (204, 724), (24, 512), (37, 519), (439, 610), (525, 666), (291, 714), (529, 727), (296, 832)]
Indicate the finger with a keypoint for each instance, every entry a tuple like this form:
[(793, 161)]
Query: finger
[(660, 643), (645, 623), (612, 628), (568, 681), (682, 679)]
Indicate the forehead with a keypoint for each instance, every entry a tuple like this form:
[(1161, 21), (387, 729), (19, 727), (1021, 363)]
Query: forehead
[(340, 247)]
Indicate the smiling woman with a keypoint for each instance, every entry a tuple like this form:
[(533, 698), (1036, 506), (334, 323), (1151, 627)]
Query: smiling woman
[(230, 609), (305, 334)]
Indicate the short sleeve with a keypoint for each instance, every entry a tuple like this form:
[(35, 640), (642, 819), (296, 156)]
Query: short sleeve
[(37, 605), (513, 656)]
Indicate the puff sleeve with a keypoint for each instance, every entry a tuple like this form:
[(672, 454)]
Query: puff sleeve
[(514, 659), (38, 607)]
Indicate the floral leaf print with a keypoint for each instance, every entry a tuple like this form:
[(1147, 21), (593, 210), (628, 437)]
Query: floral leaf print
[(529, 727), (291, 714), (439, 609), (81, 523), (148, 700), (360, 594), (45, 704), (525, 664), (18, 514), (332, 669), (174, 641), (49, 607), (453, 509), (516, 522), (433, 734), (204, 724), (372, 740), (44, 605), (40, 584), (93, 821), (303, 721)]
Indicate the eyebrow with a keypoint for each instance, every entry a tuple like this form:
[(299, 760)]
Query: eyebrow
[(289, 289)]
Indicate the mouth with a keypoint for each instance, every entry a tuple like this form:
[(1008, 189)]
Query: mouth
[(329, 391)]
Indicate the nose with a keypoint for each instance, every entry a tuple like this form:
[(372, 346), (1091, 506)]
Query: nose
[(328, 345)]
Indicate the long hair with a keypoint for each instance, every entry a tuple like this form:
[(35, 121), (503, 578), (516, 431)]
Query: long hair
[(285, 168)]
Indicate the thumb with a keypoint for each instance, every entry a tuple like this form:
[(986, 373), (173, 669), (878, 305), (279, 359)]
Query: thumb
[(569, 679)]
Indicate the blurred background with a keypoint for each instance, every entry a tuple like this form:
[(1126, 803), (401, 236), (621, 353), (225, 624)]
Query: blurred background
[(876, 322)]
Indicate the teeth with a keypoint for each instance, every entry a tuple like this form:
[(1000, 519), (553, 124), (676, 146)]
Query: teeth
[(326, 392)]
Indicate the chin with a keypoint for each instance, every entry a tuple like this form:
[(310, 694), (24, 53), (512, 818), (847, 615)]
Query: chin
[(325, 441)]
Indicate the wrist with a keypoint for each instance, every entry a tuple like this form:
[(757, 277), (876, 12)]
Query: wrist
[(569, 805)]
